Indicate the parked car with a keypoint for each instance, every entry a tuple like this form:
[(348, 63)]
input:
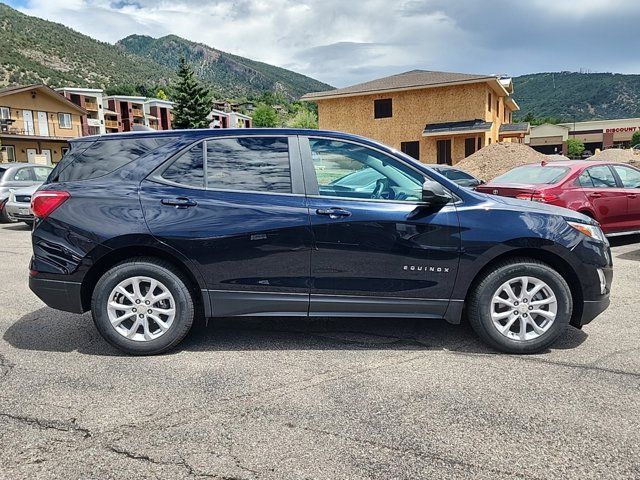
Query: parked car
[(458, 176), (586, 154), (636, 149), (151, 231), (18, 207), (19, 175), (605, 191)]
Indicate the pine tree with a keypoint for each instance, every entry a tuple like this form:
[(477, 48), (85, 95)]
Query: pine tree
[(192, 100)]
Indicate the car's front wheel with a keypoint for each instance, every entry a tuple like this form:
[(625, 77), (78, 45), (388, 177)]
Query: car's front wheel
[(521, 306), (143, 306)]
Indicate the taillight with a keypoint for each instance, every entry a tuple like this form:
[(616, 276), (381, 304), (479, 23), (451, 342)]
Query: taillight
[(45, 202), (544, 197)]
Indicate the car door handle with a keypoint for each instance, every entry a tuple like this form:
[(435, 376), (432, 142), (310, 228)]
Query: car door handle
[(595, 195), (632, 195), (180, 202), (333, 212)]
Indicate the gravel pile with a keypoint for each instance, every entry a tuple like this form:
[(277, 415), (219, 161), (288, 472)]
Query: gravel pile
[(498, 158), (616, 155)]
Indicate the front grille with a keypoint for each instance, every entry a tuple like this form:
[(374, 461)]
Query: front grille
[(23, 198)]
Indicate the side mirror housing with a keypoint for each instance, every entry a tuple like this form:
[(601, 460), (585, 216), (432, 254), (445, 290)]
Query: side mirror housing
[(435, 194)]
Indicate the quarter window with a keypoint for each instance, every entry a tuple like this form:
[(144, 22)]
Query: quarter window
[(352, 171), (630, 177), (64, 120), (252, 164), (584, 180), (41, 173), (188, 168), (383, 108)]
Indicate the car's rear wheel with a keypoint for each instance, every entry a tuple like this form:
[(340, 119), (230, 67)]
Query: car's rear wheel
[(521, 306), (143, 306)]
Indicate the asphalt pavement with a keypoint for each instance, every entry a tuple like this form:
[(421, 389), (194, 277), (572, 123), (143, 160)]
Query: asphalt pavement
[(315, 399)]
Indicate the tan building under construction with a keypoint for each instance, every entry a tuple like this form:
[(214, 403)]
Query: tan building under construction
[(436, 117)]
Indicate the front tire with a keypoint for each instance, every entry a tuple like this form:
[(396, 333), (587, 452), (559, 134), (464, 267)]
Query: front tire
[(521, 306), (143, 306)]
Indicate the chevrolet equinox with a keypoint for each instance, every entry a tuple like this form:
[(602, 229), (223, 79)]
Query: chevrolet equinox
[(151, 231)]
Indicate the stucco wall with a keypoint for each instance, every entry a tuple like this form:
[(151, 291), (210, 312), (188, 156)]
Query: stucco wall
[(412, 110)]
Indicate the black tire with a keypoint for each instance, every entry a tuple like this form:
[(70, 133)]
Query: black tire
[(480, 305), (156, 269)]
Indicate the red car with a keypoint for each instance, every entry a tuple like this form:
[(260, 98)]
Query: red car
[(608, 192)]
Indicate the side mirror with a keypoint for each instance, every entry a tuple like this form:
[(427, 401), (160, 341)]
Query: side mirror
[(482, 182), (434, 194)]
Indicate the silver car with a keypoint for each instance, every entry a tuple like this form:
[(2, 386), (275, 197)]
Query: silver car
[(19, 175), (18, 207)]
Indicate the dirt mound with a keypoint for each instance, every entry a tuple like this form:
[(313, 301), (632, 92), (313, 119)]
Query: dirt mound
[(616, 155), (498, 158), (558, 158)]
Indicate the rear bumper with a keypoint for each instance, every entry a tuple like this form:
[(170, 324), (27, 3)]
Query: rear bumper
[(58, 294)]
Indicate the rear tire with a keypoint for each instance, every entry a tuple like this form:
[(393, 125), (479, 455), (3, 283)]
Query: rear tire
[(143, 306), (508, 318)]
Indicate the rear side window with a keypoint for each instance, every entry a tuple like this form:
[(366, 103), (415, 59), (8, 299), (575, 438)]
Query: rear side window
[(188, 168), (41, 173), (602, 177), (532, 175), (106, 156), (256, 164)]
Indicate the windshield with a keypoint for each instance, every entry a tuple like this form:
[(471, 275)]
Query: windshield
[(532, 175)]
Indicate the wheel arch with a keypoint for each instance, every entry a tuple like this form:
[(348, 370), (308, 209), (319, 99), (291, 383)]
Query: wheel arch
[(115, 256), (554, 260)]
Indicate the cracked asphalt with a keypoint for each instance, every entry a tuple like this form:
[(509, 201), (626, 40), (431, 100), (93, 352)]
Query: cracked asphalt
[(315, 399)]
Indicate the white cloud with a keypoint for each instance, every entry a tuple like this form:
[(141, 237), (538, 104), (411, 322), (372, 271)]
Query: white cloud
[(344, 42)]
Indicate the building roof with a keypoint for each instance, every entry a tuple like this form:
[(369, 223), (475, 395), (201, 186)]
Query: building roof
[(515, 127), (453, 128), (42, 88), (97, 91), (414, 79), (128, 98)]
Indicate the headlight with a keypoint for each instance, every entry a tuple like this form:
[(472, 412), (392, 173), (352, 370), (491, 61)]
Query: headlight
[(592, 231)]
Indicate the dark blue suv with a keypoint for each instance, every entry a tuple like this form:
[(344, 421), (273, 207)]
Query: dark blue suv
[(151, 231)]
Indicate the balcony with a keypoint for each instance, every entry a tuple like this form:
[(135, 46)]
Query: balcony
[(111, 124), (38, 130), (91, 105), (137, 112)]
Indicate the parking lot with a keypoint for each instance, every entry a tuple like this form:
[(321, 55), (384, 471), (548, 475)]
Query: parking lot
[(298, 398)]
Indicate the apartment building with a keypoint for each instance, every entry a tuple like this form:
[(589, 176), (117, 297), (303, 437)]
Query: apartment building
[(436, 117), (228, 119), (91, 99), (129, 111), (158, 113), (36, 123)]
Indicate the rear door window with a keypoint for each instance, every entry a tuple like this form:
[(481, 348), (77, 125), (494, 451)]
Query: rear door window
[(602, 177), (248, 164), (107, 155)]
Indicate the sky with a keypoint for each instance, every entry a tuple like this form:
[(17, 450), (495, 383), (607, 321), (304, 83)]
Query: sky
[(343, 42)]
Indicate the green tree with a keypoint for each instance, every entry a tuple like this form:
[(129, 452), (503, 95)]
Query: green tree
[(265, 116), (161, 95), (192, 100), (635, 138), (574, 147), (303, 119)]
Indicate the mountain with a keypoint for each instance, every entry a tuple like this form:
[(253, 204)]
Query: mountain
[(585, 96), (234, 75), (35, 50)]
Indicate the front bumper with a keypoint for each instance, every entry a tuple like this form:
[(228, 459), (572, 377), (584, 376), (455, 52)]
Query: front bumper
[(592, 308), (58, 294)]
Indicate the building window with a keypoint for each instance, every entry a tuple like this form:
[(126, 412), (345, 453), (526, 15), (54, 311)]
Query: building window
[(5, 113), (469, 146), (8, 153), (479, 143), (411, 148), (382, 108), (490, 102), (444, 151), (64, 120)]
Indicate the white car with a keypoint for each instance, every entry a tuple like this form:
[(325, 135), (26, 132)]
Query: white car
[(18, 207)]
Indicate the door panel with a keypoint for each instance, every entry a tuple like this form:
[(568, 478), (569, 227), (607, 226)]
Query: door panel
[(27, 117), (253, 249), (43, 124), (608, 200), (630, 179), (376, 251)]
